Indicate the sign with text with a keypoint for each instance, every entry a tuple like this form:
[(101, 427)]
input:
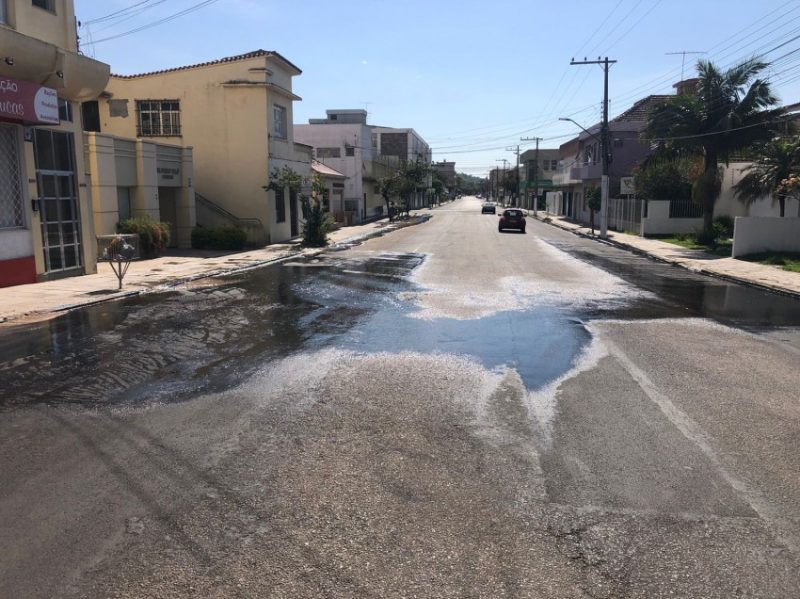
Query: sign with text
[(27, 103), (169, 174), (626, 187)]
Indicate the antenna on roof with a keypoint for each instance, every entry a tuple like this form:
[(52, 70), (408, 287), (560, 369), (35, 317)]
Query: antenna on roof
[(683, 60)]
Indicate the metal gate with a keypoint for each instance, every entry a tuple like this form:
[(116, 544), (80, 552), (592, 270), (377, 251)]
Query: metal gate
[(58, 200)]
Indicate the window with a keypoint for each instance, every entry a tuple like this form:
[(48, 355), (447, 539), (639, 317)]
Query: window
[(3, 12), (349, 151), (45, 4), (11, 206), (329, 153), (158, 118), (64, 110), (90, 112), (554, 165), (279, 124), (280, 207), (124, 203), (375, 140)]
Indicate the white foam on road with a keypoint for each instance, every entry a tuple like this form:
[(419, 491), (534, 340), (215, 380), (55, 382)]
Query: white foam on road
[(542, 403), (560, 280), (300, 381)]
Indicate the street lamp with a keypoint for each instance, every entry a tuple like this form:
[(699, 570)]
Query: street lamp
[(604, 179)]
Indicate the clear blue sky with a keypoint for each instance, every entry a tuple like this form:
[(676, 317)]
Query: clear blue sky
[(470, 77)]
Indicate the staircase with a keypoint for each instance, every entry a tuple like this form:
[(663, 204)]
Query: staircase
[(212, 215)]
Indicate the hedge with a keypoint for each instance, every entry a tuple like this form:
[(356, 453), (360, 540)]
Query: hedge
[(153, 235), (223, 238)]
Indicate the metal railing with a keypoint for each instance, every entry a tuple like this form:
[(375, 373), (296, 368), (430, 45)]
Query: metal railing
[(253, 227), (685, 209)]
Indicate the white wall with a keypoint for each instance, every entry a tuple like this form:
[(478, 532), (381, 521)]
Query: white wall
[(658, 221), (754, 234), (336, 136)]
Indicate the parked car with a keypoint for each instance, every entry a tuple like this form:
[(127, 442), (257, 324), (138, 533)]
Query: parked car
[(488, 208), (512, 219)]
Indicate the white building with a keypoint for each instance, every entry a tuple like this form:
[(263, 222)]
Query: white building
[(363, 153)]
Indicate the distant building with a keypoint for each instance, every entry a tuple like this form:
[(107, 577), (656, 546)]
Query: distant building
[(45, 228), (364, 153), (537, 176), (236, 115), (447, 170)]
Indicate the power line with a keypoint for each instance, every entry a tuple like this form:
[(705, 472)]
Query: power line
[(113, 14), (172, 17)]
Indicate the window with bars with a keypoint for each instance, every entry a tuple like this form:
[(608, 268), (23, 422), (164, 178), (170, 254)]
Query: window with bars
[(158, 118), (11, 205), (279, 124)]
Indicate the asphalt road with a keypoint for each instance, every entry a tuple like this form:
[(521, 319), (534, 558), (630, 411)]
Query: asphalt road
[(444, 411)]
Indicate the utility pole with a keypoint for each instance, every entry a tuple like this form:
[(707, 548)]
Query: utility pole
[(503, 184), (535, 172), (517, 173), (606, 64)]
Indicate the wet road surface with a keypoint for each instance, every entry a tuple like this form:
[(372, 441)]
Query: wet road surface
[(444, 411)]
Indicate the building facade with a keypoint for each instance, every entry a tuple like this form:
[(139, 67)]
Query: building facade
[(447, 172), (137, 177), (364, 153), (236, 115), (46, 227), (537, 170)]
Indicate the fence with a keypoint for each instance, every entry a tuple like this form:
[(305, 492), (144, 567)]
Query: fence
[(625, 214), (685, 209)]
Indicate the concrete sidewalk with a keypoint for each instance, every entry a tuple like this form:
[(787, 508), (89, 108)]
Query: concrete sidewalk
[(42, 300), (770, 278)]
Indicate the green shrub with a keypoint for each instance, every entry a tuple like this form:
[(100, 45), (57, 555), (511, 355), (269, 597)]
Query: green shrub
[(223, 238), (317, 224), (153, 235), (723, 227)]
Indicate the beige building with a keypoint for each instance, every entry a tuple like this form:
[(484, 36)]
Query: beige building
[(236, 114), (132, 178), (46, 229)]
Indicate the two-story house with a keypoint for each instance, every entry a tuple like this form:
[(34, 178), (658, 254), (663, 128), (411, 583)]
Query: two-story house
[(236, 114)]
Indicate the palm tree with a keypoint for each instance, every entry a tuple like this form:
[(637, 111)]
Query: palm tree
[(779, 159), (729, 111)]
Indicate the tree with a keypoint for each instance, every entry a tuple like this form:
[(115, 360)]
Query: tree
[(779, 160), (387, 185), (729, 111), (316, 222), (594, 202), (438, 184), (666, 178)]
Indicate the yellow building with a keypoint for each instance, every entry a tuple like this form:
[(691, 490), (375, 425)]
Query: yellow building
[(236, 114), (46, 229)]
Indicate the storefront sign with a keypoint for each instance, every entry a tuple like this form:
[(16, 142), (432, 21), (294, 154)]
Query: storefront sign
[(168, 175), (27, 103)]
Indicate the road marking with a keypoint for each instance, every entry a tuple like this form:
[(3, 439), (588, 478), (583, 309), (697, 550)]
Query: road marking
[(694, 433)]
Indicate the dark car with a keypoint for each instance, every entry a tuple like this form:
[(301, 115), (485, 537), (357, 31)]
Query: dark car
[(512, 219), (488, 208)]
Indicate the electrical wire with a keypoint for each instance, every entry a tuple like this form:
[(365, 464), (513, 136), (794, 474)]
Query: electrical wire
[(161, 21)]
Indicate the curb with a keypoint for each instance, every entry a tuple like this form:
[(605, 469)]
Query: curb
[(701, 271), (338, 246)]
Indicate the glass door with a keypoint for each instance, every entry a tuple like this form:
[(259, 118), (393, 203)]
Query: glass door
[(58, 200)]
